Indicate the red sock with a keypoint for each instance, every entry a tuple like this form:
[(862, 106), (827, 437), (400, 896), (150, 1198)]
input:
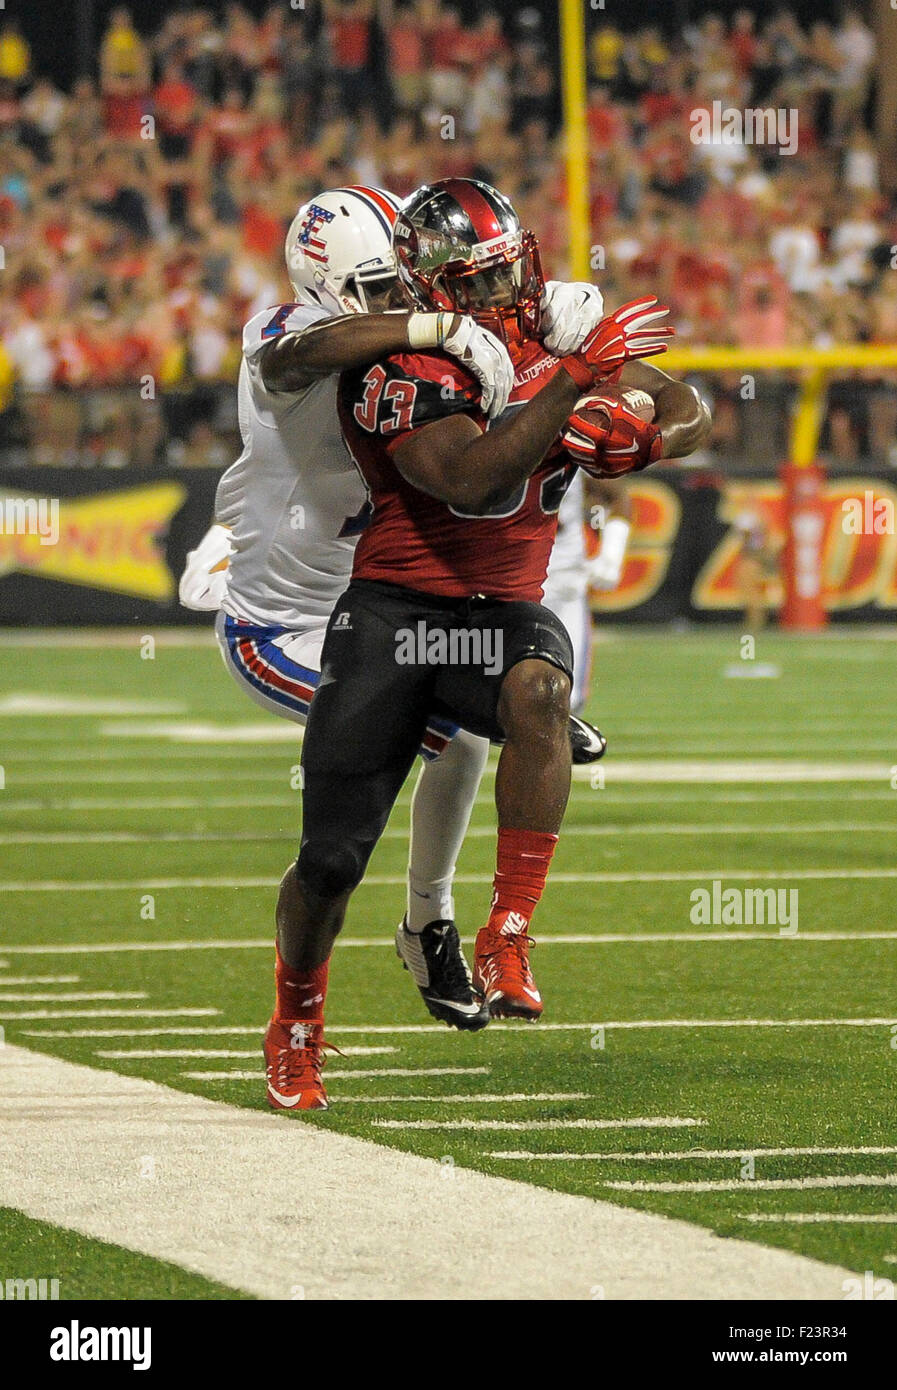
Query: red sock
[(523, 860), (300, 993)]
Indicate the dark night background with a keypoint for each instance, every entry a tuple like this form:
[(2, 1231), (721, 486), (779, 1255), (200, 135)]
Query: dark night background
[(65, 34)]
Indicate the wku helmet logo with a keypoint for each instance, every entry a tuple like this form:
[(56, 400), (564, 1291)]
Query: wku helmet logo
[(315, 218)]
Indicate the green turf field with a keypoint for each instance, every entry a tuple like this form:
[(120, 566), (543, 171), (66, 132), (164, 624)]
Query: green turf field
[(778, 1049)]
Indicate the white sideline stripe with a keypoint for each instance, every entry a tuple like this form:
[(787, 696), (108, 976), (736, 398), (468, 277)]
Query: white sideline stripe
[(652, 1122), (143, 1054), (397, 880), (762, 1184), (361, 1220), (476, 832), (665, 1156), (256, 1030), (32, 1015), (38, 980), (553, 939), (74, 997), (823, 1217)]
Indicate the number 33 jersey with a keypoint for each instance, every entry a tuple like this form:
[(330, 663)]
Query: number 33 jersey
[(416, 541), (293, 497)]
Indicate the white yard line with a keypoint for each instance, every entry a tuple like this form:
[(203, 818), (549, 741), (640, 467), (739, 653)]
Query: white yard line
[(269, 1204), (512, 1097), (28, 704), (32, 1015), (154, 803), (846, 1218), (364, 942), (37, 980), (71, 997), (515, 1097), (342, 1075), (765, 770), (256, 1030), (239, 1029), (623, 798), (475, 832), (214, 1052), (665, 1156), (149, 885), (616, 773), (649, 1122), (761, 1184)]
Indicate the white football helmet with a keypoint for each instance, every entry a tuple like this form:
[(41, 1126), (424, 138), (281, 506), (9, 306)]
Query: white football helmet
[(339, 251)]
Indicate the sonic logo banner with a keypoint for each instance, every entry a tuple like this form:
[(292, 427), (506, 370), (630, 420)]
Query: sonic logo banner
[(112, 541), (83, 547)]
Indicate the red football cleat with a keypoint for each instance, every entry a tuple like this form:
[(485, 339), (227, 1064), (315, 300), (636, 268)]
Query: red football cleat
[(502, 970), (293, 1062)]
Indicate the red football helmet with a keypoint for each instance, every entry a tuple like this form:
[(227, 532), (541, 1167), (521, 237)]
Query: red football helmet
[(459, 246)]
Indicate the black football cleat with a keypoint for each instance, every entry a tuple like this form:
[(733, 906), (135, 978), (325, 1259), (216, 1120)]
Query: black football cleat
[(436, 963), (587, 744)]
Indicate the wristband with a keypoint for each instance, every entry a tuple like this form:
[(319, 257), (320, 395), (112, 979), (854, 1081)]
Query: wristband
[(427, 330)]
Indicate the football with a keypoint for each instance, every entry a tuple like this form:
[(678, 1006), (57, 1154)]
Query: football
[(639, 402), (608, 456)]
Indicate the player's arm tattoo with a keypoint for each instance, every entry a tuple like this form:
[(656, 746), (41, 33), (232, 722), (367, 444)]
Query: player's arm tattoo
[(454, 461), (682, 416)]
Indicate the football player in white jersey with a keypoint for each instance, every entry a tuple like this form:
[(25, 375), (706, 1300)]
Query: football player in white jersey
[(288, 513), (571, 573)]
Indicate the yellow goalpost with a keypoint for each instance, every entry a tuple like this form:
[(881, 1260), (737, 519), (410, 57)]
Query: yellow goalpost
[(815, 366)]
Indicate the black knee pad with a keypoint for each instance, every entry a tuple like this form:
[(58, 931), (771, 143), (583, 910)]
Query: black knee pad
[(326, 868)]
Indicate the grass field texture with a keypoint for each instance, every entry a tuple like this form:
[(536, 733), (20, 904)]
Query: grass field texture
[(742, 1077)]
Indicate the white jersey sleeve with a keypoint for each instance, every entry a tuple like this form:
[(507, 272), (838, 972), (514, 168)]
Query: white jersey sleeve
[(296, 501), (267, 327)]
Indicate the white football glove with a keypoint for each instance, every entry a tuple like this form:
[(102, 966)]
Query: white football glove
[(607, 566), (569, 313), (204, 580), (476, 348), (487, 357)]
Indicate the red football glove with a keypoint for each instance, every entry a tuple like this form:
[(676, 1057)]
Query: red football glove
[(629, 333), (626, 444)]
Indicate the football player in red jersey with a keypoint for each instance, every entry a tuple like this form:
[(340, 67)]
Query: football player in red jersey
[(443, 609)]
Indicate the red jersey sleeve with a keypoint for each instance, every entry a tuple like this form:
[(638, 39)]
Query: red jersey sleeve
[(393, 398)]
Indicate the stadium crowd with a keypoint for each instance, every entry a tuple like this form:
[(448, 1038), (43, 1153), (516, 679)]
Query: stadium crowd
[(142, 212)]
